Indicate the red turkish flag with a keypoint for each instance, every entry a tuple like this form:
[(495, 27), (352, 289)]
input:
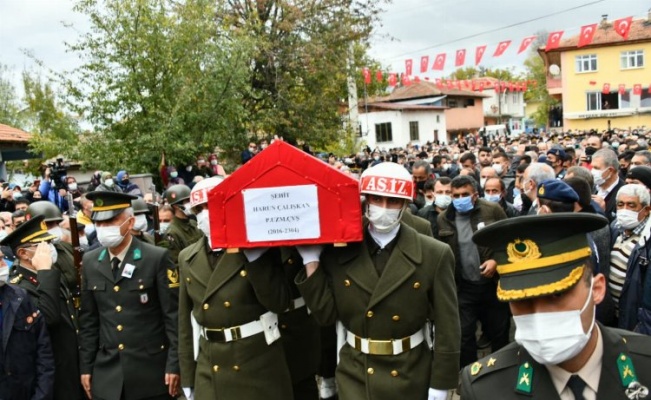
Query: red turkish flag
[(637, 89), (439, 83), (393, 80), (526, 42), (479, 54), (367, 75), (587, 34), (461, 58), (405, 80), (623, 26), (408, 66), (501, 48), (424, 63), (378, 76), (450, 84), (606, 88), (554, 40), (417, 79), (592, 83), (439, 62), (481, 85), (622, 88)]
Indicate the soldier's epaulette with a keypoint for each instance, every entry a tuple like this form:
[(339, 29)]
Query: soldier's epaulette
[(16, 279), (505, 358), (638, 344)]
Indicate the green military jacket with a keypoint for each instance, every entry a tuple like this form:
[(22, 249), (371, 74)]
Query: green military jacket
[(181, 234), (511, 373), (223, 291), (416, 286), (66, 264)]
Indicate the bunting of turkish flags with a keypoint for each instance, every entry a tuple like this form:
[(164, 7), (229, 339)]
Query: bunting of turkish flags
[(554, 40), (367, 75), (392, 79), (622, 88), (501, 48), (587, 35), (424, 63), (405, 80), (460, 58), (623, 26), (439, 62), (637, 89), (378, 76), (479, 54), (439, 83), (526, 42), (606, 88), (408, 66)]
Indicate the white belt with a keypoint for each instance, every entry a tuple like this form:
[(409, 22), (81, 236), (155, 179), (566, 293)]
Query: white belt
[(234, 333), (296, 304), (384, 347)]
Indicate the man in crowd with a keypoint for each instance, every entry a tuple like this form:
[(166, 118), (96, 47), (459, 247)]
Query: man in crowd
[(559, 350), (485, 157), (642, 157), (421, 172), (605, 171), (128, 315), (441, 191), (555, 159), (475, 267), (182, 230), (495, 191), (533, 176), (394, 275)]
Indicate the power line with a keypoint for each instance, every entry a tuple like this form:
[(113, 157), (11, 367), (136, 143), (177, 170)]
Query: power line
[(498, 29)]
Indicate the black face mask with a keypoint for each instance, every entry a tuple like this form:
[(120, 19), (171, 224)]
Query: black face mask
[(125, 181), (420, 185)]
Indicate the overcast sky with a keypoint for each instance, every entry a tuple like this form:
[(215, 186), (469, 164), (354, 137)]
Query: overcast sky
[(410, 29)]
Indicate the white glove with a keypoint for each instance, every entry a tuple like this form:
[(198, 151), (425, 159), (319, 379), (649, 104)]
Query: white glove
[(310, 253), (253, 254), (189, 393), (327, 387), (437, 394)]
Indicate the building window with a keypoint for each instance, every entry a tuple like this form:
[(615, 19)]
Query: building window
[(438, 119), (645, 98), (452, 103), (594, 101), (610, 101), (383, 132), (470, 102), (625, 99), (632, 59), (413, 130), (586, 63)]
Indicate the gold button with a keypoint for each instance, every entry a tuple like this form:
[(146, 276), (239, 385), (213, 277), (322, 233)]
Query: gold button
[(236, 368), (206, 306), (162, 347), (72, 317), (227, 304), (243, 273), (394, 373), (369, 314), (416, 285), (283, 326), (370, 371), (215, 368), (116, 288), (94, 287), (346, 282), (120, 328), (118, 308), (120, 346), (290, 261), (188, 280), (396, 318), (141, 287)]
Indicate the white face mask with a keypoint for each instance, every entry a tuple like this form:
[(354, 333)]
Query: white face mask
[(4, 275), (90, 228), (72, 186), (141, 223), (554, 337), (53, 253), (213, 162), (628, 219), (109, 182), (56, 231), (3, 234), (83, 241), (203, 223), (17, 195), (109, 236), (164, 226), (187, 209), (482, 182), (498, 168), (383, 219), (443, 201), (598, 177)]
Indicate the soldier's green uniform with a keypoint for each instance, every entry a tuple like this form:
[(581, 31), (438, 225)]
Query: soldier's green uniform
[(65, 259), (225, 291), (181, 232), (543, 261), (50, 294), (416, 286)]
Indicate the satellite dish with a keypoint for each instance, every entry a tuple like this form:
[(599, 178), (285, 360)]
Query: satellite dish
[(554, 69)]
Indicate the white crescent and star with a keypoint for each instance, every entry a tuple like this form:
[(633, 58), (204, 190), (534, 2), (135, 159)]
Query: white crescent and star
[(622, 27)]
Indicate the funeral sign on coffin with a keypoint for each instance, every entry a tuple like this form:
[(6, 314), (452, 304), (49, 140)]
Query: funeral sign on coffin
[(284, 197)]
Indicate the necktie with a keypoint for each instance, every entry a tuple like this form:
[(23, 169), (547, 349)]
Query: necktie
[(576, 385), (115, 266)]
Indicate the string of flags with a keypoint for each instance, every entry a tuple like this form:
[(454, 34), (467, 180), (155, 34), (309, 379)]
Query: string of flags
[(621, 88), (622, 26)]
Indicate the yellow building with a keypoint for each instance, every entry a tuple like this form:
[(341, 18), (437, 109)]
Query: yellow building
[(576, 77)]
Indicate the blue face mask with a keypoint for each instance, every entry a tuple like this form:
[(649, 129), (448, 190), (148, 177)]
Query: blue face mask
[(463, 204), (492, 197)]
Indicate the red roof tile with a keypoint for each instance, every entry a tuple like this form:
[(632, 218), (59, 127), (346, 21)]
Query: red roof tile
[(640, 31), (13, 135), (425, 89)]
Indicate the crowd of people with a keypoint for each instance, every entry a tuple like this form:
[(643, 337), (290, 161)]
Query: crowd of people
[(484, 233)]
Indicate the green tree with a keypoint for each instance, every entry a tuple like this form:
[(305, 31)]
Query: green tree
[(158, 76), (535, 72), (10, 108)]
